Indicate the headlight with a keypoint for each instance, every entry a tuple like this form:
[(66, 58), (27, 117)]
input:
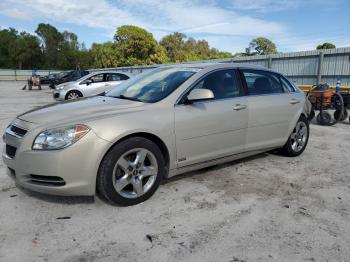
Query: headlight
[(62, 86), (58, 138)]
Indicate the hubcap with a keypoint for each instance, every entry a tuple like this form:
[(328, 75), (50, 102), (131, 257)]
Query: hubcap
[(299, 137), (135, 173), (73, 96)]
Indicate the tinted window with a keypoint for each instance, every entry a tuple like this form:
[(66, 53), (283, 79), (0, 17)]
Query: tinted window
[(117, 77), (262, 82), (223, 84), (286, 85), (97, 78)]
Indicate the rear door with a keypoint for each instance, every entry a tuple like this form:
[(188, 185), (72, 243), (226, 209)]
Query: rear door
[(272, 109), (114, 79), (210, 129)]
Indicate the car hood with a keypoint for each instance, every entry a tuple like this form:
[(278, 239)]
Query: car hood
[(80, 110), (65, 85)]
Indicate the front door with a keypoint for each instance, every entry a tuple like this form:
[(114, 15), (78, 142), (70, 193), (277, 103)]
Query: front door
[(96, 85), (113, 80), (215, 128)]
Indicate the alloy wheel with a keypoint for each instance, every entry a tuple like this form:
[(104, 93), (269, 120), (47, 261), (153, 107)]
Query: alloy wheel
[(73, 95), (135, 173), (299, 136)]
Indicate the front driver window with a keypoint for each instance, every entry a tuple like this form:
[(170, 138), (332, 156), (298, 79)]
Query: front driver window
[(96, 78), (223, 84)]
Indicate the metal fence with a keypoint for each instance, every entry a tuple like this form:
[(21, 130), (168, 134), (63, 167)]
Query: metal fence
[(304, 68), (20, 75)]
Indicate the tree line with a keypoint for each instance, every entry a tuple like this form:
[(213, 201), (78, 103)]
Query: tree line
[(131, 45)]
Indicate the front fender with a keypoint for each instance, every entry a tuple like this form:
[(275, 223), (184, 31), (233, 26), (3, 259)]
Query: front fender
[(159, 124)]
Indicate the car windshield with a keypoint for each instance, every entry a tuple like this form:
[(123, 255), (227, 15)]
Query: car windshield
[(62, 74), (153, 85)]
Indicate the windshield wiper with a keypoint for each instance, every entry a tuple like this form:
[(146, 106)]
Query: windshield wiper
[(128, 98)]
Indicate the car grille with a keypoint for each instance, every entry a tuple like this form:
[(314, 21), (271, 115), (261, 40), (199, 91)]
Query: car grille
[(18, 131), (10, 151), (47, 180)]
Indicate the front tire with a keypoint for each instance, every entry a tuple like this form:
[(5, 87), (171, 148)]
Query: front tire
[(298, 139), (73, 95), (131, 172)]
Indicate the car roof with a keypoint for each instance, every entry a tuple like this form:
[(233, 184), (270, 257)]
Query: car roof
[(217, 65), (108, 71)]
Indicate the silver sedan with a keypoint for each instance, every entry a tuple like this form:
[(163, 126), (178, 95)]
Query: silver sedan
[(90, 85), (162, 123)]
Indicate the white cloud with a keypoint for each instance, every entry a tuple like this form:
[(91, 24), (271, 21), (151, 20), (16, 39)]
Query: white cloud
[(15, 13), (265, 5), (161, 17), (91, 13), (297, 43), (201, 17)]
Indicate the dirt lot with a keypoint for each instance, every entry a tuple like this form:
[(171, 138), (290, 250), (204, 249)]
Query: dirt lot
[(265, 208)]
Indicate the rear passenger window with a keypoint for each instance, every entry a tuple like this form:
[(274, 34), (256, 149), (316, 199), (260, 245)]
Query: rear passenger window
[(286, 85), (262, 82), (117, 77), (223, 84)]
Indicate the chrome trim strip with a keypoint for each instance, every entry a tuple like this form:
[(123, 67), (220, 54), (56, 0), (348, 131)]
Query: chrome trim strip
[(220, 160), (46, 181)]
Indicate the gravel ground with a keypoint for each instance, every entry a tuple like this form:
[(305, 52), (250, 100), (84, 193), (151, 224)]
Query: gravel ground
[(264, 208)]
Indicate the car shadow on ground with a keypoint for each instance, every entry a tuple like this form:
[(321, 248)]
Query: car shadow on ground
[(68, 200)]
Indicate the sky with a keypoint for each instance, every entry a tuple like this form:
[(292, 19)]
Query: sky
[(229, 25)]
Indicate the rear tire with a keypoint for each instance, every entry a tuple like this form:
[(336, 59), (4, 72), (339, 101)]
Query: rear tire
[(298, 139), (324, 119), (337, 115), (131, 172)]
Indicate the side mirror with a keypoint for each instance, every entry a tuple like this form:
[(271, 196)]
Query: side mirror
[(88, 82), (200, 94)]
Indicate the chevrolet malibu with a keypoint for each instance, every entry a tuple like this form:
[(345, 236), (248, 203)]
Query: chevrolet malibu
[(162, 123)]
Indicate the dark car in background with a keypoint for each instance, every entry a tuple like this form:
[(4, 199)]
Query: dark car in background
[(46, 80), (67, 76)]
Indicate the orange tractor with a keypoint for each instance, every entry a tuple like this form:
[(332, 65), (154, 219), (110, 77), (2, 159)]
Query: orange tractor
[(324, 99)]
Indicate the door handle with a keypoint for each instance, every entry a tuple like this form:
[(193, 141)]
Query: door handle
[(294, 101), (239, 107), (107, 84)]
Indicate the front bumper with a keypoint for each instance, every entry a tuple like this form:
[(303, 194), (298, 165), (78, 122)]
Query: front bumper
[(59, 95), (71, 171)]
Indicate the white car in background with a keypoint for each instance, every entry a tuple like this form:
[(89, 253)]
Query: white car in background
[(90, 85)]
